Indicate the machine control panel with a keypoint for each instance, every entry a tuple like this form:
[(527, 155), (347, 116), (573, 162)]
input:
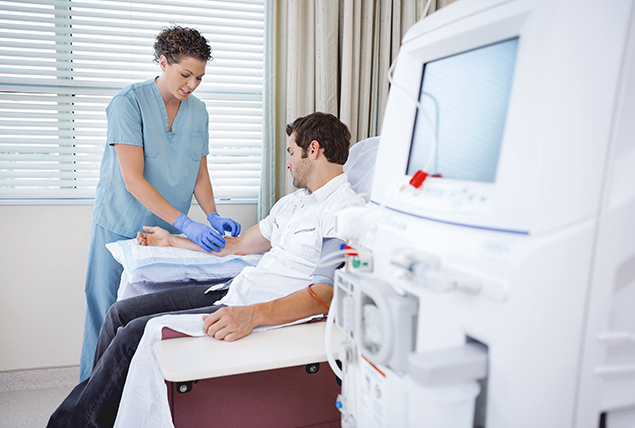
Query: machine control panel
[(436, 195)]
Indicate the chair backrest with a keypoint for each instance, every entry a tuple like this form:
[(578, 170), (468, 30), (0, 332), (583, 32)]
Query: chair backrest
[(360, 165)]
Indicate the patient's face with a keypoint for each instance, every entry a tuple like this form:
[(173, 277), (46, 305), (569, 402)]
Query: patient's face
[(298, 166)]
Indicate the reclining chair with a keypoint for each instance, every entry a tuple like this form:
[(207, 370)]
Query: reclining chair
[(274, 378)]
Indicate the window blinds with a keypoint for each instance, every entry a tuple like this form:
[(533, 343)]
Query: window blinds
[(61, 61)]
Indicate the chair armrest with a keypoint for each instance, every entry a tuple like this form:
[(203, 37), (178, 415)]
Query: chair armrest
[(195, 358)]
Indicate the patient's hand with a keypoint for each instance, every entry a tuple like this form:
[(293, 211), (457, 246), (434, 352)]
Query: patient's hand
[(230, 323), (156, 237)]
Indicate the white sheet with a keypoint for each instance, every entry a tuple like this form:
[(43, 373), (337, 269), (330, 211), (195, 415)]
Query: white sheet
[(144, 403)]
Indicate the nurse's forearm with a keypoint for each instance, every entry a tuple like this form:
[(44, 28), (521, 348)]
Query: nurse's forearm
[(203, 191), (145, 193), (132, 164)]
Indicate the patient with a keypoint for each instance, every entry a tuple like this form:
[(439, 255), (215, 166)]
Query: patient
[(294, 235)]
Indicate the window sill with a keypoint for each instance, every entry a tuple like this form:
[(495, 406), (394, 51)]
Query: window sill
[(91, 201)]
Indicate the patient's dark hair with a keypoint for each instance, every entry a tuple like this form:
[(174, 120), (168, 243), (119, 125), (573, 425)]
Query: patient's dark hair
[(178, 42), (327, 130)]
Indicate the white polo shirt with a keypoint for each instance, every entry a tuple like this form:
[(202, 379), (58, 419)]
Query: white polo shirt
[(295, 227)]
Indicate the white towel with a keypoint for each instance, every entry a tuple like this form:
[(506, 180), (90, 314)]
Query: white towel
[(144, 402)]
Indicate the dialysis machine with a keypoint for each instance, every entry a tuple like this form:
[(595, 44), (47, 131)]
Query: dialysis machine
[(493, 277)]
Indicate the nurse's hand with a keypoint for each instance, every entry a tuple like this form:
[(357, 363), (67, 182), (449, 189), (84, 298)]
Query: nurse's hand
[(206, 237), (223, 224)]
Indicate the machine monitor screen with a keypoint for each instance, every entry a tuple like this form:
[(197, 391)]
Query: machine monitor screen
[(462, 109)]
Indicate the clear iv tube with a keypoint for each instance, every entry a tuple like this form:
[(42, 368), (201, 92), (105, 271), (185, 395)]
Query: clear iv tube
[(328, 334), (336, 256), (434, 152), (419, 107), (358, 196), (425, 10)]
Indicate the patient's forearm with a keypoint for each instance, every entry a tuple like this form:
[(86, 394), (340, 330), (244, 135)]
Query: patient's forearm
[(183, 242), (294, 307), (233, 322), (252, 242)]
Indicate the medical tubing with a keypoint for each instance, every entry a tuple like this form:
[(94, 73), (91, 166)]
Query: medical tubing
[(434, 153), (357, 196), (330, 320), (335, 256), (420, 107), (315, 296), (335, 263), (332, 261), (425, 10)]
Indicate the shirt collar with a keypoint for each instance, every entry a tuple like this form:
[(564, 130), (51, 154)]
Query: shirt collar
[(324, 191)]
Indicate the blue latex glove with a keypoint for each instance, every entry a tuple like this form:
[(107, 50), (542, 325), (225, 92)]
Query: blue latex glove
[(223, 224), (206, 237)]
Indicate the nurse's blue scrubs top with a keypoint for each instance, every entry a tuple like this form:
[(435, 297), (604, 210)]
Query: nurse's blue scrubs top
[(137, 116)]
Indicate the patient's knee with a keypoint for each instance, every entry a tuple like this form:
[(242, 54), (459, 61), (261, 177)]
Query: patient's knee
[(113, 320), (130, 335), (116, 318)]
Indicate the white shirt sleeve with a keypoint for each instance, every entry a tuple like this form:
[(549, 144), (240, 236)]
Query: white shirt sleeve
[(266, 224)]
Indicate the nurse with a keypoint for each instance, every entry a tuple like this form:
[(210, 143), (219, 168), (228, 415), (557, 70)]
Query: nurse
[(155, 160)]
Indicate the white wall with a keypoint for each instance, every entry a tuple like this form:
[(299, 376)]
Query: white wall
[(43, 255)]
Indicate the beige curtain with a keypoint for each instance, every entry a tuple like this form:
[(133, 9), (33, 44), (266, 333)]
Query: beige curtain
[(332, 56)]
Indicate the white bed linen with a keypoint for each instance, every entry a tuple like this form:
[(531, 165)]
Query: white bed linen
[(146, 268), (144, 402)]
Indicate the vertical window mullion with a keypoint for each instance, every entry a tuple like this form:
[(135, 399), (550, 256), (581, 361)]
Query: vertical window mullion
[(65, 130)]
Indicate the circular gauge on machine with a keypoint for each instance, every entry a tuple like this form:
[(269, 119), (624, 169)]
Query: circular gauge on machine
[(386, 324)]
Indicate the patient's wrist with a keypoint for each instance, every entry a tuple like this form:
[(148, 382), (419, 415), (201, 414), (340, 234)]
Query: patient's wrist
[(261, 313), (172, 240)]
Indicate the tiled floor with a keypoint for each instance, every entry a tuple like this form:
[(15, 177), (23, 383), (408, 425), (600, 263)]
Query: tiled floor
[(28, 398)]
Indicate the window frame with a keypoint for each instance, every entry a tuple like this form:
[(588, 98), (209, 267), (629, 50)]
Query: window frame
[(233, 110)]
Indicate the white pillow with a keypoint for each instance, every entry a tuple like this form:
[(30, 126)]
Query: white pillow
[(360, 166), (147, 266)]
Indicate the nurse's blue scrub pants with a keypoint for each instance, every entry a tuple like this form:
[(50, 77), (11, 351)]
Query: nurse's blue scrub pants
[(103, 276)]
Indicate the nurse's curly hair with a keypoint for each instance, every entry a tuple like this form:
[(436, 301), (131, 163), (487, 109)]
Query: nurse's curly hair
[(333, 135), (178, 42)]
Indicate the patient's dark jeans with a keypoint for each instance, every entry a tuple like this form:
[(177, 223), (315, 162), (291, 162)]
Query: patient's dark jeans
[(94, 402)]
